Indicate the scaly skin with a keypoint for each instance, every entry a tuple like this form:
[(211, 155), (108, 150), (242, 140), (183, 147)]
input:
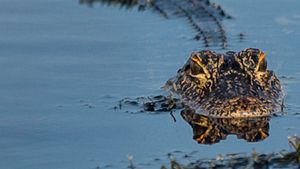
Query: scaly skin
[(230, 85)]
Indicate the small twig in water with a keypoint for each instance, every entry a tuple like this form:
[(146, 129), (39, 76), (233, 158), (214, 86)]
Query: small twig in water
[(282, 106), (172, 115)]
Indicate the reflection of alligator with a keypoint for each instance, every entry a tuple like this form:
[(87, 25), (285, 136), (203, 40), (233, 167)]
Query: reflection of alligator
[(203, 16), (228, 85), (208, 130)]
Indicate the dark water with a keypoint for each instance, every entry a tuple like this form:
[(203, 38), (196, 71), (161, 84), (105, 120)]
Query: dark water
[(64, 66)]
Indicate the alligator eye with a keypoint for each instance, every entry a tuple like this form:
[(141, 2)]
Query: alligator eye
[(262, 63), (197, 67), (262, 67)]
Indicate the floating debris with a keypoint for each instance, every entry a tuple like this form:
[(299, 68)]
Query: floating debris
[(154, 104), (253, 161), (130, 158)]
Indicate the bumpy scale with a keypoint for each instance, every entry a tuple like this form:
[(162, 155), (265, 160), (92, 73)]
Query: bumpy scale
[(228, 85)]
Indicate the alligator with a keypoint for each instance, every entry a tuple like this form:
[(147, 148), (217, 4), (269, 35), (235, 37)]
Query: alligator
[(215, 90), (202, 15), (217, 85), (230, 85)]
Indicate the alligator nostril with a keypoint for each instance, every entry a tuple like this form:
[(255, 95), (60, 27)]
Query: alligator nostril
[(244, 100)]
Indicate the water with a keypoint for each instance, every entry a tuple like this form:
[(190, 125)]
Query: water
[(64, 66)]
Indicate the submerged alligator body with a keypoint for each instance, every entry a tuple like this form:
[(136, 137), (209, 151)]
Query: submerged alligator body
[(202, 15), (230, 85)]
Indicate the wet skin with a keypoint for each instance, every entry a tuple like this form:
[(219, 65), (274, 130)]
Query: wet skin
[(230, 85)]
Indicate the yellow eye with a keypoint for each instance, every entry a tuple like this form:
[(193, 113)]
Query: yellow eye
[(196, 69), (262, 67), (196, 66), (262, 63)]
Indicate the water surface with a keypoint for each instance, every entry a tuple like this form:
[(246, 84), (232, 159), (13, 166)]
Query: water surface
[(64, 66)]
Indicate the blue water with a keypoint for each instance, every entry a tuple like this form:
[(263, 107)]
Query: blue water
[(64, 66)]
